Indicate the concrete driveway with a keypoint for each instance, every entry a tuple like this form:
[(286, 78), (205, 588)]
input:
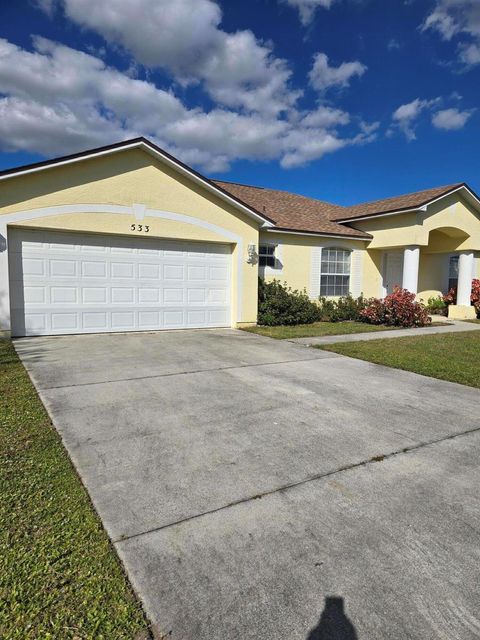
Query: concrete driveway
[(244, 484)]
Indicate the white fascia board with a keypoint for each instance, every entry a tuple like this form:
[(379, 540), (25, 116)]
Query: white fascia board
[(156, 154), (317, 235), (87, 156), (469, 193), (379, 215), (423, 207)]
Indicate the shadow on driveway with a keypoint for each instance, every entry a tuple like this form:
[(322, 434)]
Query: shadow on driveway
[(334, 623)]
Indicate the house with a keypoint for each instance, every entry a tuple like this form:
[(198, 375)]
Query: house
[(127, 238)]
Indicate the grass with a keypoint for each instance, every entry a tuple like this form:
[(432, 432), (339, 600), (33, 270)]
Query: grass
[(316, 329), (452, 357), (60, 577)]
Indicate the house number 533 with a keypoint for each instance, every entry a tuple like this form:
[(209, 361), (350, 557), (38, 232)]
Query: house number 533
[(140, 227)]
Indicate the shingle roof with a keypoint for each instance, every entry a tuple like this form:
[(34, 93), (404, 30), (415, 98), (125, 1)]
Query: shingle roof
[(397, 203), (292, 212)]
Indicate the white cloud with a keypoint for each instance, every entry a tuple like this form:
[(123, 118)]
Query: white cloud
[(56, 100), (323, 76), (53, 130), (325, 117), (185, 38), (458, 18), (393, 45), (307, 8), (469, 54), (451, 119), (440, 20), (406, 115)]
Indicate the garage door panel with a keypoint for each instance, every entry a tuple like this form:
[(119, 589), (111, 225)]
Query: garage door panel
[(94, 295), (94, 321), (35, 323), (94, 269), (79, 283)]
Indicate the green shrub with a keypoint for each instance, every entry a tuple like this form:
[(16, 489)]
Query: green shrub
[(437, 305), (327, 309), (279, 304), (345, 308)]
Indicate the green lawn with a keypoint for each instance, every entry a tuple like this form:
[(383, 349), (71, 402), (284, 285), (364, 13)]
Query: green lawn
[(316, 329), (446, 356), (60, 577)]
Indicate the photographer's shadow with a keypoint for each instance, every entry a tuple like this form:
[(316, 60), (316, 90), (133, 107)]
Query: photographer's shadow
[(334, 623)]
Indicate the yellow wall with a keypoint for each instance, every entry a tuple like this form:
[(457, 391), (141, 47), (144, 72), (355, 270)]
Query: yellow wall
[(130, 177), (432, 275), (372, 273), (454, 223), (296, 256)]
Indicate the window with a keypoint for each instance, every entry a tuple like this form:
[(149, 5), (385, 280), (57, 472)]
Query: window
[(266, 255), (335, 272), (453, 272)]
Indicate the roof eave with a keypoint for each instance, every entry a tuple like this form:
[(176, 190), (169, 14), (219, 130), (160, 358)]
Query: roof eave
[(472, 196), (364, 237)]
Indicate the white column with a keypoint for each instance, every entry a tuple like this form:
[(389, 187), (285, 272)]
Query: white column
[(4, 288), (411, 261), (465, 275)]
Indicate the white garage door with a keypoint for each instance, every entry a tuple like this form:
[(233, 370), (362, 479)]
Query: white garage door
[(77, 283)]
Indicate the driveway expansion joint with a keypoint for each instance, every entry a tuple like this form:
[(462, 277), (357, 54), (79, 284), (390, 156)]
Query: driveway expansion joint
[(194, 371), (373, 460)]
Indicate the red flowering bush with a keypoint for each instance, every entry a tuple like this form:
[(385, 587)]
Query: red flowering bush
[(398, 309), (475, 297), (451, 296)]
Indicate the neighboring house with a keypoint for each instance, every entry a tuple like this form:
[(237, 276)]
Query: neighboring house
[(127, 238)]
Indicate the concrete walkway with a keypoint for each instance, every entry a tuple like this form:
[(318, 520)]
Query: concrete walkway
[(454, 327)]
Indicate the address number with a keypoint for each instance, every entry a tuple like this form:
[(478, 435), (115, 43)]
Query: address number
[(140, 227)]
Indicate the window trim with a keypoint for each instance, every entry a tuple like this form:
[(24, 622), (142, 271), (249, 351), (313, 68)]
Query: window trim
[(348, 275), (266, 269), (456, 257)]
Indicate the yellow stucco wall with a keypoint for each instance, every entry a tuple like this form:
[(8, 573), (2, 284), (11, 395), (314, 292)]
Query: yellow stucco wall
[(432, 275), (372, 273), (131, 177), (295, 253), (452, 223)]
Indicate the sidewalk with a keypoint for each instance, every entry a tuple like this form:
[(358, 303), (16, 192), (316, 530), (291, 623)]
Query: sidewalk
[(454, 327)]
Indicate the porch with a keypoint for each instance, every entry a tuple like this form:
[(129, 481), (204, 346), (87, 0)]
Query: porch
[(429, 272)]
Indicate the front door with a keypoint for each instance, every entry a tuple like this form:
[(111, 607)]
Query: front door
[(392, 271)]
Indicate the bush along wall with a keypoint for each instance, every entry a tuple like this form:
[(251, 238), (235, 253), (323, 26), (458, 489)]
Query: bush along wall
[(279, 304), (341, 309), (398, 309)]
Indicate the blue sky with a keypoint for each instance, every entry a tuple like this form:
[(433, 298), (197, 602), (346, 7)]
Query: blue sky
[(344, 100)]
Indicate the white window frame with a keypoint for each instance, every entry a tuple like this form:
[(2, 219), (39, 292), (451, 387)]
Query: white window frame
[(266, 270), (336, 274), (449, 277)]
